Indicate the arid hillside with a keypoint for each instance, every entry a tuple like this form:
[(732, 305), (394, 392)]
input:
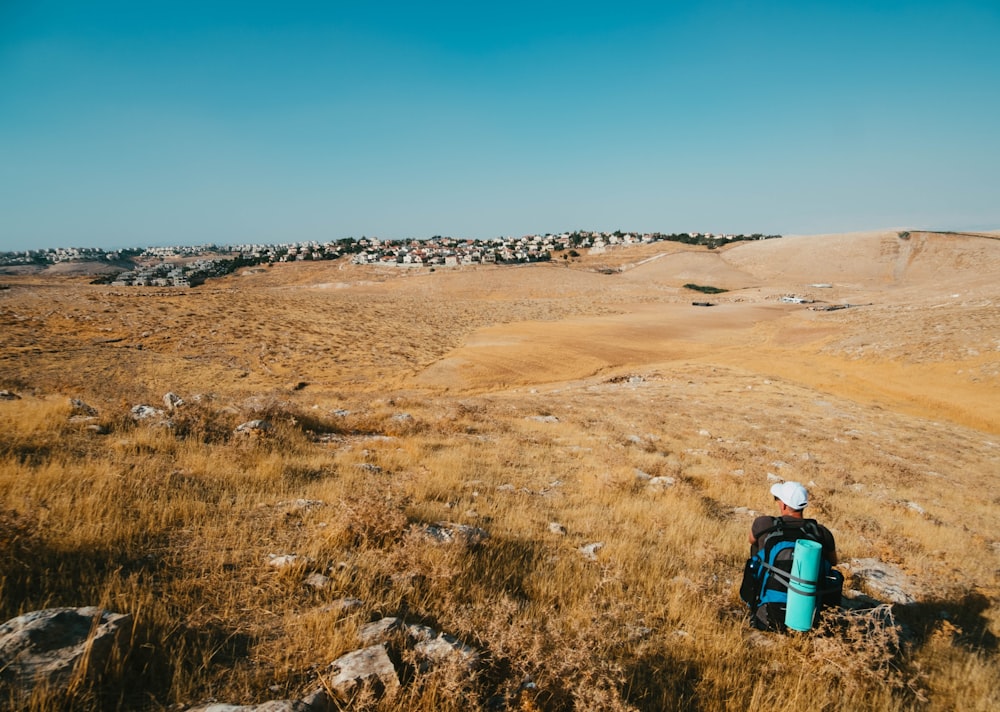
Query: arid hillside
[(920, 334), (606, 441)]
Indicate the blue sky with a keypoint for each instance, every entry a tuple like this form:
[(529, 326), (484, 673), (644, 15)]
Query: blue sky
[(128, 123)]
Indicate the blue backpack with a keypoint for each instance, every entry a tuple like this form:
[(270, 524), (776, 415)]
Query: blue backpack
[(767, 573)]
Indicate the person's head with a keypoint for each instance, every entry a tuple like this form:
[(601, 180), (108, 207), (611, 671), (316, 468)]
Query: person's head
[(791, 495)]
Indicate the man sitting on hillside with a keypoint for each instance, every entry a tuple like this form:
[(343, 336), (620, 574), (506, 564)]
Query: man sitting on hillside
[(772, 540)]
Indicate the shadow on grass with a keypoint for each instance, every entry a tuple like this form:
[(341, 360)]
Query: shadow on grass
[(162, 649), (659, 682), (971, 628), (501, 566)]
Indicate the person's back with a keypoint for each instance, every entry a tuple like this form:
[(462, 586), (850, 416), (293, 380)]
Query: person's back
[(772, 545)]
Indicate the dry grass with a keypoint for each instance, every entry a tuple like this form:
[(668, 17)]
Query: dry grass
[(398, 425)]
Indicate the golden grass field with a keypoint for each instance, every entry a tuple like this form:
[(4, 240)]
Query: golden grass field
[(534, 394)]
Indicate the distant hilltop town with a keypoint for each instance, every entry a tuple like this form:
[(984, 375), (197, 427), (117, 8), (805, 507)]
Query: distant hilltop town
[(187, 266)]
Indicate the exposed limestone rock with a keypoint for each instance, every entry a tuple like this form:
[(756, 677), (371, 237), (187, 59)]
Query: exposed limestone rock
[(284, 561), (317, 581), (7, 395), (440, 648), (882, 580), (254, 428), (589, 551), (661, 482), (379, 631), (429, 646), (557, 528), (48, 646), (448, 533), (172, 401), (144, 413), (369, 667), (317, 701), (81, 408), (916, 508)]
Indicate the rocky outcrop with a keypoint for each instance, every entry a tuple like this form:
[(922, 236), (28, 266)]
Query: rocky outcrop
[(451, 533), (379, 666), (52, 646), (150, 415), (318, 701), (368, 668), (882, 580), (253, 429), (78, 407), (172, 401)]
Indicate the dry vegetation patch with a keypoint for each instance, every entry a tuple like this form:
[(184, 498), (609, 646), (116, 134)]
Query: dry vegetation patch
[(610, 447)]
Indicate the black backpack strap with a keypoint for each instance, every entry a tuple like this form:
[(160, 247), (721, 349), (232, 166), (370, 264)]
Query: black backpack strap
[(811, 529), (777, 525)]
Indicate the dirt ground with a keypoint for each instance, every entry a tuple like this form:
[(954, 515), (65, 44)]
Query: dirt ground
[(918, 332), (921, 334)]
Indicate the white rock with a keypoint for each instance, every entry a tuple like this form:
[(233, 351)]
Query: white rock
[(448, 533), (882, 579), (48, 646), (253, 428), (284, 561), (661, 482), (442, 648), (146, 412), (317, 580), (370, 667)]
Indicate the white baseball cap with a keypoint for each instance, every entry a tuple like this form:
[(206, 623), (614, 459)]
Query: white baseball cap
[(791, 493)]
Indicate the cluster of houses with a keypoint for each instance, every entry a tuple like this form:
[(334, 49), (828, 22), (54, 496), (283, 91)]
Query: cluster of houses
[(529, 248), (56, 255), (451, 252), (177, 268), (169, 274)]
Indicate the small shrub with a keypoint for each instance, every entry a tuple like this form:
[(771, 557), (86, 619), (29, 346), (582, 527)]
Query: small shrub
[(705, 289)]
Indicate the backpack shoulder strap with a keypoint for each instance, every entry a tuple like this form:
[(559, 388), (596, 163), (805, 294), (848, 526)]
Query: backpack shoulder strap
[(777, 525), (811, 530)]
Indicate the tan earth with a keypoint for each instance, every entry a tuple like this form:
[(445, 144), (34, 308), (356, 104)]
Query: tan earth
[(921, 333)]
